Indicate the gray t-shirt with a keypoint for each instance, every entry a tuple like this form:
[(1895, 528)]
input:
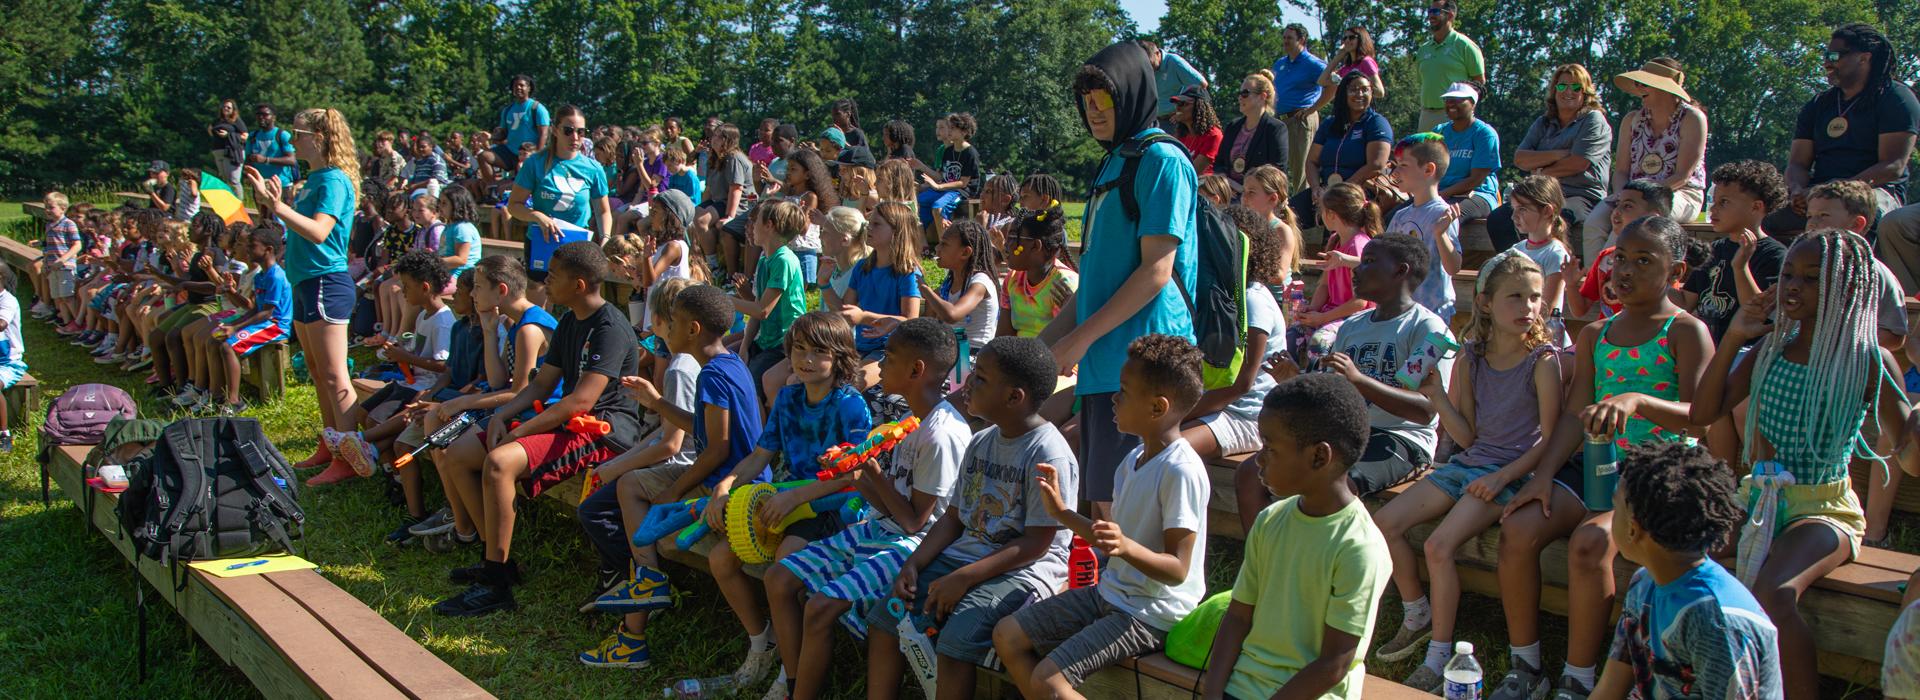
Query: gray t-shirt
[(999, 498), (738, 170), (1421, 221), (1589, 136), (1262, 313), (677, 388), (928, 461), (1893, 301), (1379, 347)]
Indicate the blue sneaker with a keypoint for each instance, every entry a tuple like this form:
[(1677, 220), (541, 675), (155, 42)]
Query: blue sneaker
[(618, 651), (648, 590)]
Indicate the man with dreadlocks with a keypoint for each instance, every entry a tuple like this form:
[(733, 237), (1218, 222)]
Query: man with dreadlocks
[(1861, 128), (1816, 374)]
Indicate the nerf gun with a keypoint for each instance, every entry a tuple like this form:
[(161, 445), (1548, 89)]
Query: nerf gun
[(683, 517), (441, 438), (755, 544), (844, 457)]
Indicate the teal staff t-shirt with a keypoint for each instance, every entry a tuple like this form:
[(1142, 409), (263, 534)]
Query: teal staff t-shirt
[(329, 192)]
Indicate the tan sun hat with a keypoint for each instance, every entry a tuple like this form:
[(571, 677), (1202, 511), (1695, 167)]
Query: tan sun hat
[(1655, 75)]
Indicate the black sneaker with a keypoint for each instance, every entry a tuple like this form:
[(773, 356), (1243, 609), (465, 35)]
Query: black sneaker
[(478, 599), (477, 574), (401, 537), (605, 582)]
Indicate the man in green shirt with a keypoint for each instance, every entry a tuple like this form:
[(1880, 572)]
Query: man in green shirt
[(1446, 58)]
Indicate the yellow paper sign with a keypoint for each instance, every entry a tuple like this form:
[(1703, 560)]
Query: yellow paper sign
[(245, 566)]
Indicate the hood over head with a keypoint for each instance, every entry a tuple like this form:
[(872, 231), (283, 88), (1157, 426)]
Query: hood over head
[(1135, 99)]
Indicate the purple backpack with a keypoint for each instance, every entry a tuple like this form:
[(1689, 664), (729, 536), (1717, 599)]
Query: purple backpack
[(80, 415)]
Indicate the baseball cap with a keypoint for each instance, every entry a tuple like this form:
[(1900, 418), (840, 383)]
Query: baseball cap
[(834, 134), (1192, 93), (1461, 90), (157, 166), (858, 155)]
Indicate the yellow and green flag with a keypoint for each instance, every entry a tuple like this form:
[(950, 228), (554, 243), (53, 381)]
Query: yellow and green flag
[(215, 194)]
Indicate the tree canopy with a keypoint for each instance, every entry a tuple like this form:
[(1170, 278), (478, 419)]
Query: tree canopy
[(92, 89)]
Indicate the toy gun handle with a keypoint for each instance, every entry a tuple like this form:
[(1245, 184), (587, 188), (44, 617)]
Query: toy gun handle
[(691, 536), (440, 438)]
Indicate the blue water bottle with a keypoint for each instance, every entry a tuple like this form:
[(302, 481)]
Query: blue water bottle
[(1600, 472)]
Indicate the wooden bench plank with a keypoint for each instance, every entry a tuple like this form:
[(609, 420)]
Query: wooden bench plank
[(401, 660), (23, 399)]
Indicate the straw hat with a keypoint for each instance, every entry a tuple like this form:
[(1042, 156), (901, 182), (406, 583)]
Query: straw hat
[(1657, 76)]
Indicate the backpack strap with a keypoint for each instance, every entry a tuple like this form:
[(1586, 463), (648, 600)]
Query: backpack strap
[(1131, 152), (272, 510), (194, 485)]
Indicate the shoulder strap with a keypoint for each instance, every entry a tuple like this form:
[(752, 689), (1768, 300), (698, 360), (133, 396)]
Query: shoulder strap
[(1131, 152)]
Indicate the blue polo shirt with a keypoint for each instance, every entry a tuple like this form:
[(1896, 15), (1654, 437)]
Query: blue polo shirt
[(1165, 187), (1296, 81)]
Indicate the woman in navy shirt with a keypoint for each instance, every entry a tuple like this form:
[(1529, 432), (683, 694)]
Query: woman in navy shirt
[(1352, 147)]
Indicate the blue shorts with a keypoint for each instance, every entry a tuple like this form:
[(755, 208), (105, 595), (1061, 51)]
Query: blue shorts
[(857, 565), (945, 201), (809, 266), (11, 373), (253, 337), (327, 298), (1454, 477)]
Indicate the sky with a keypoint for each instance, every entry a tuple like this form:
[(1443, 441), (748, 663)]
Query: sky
[(1146, 13)]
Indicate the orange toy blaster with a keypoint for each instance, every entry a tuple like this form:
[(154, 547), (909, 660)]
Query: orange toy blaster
[(845, 457)]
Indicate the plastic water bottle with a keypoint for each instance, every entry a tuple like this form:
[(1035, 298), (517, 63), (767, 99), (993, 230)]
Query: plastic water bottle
[(1083, 568), (1462, 674), (1557, 329), (1600, 472), (696, 688)]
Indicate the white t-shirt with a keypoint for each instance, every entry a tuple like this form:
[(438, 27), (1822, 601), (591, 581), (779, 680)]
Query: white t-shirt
[(1262, 313), (675, 271), (984, 321), (433, 330), (928, 461), (12, 347), (677, 388), (1168, 492)]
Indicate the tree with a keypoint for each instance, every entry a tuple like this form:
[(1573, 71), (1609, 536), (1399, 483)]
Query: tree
[(1226, 40)]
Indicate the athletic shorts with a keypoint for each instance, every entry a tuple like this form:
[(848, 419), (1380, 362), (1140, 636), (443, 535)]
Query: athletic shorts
[(327, 299), (967, 634), (1102, 446), (11, 373), (509, 158), (856, 565), (1388, 461), (186, 314), (246, 340), (224, 316), (1233, 433), (389, 393), (60, 282), (557, 456), (1083, 633), (1833, 503)]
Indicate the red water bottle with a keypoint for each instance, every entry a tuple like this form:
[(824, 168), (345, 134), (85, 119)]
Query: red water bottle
[(1083, 569)]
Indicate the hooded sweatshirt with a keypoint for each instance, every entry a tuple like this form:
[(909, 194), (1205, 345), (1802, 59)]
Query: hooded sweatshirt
[(1166, 188)]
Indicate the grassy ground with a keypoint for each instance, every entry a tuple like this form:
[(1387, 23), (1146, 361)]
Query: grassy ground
[(72, 613)]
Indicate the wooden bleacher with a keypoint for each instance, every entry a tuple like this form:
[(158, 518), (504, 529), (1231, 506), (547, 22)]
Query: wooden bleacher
[(23, 399), (294, 634)]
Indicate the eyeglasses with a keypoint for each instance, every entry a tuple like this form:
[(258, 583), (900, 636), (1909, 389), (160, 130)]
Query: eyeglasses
[(1350, 37), (574, 130), (1563, 87)]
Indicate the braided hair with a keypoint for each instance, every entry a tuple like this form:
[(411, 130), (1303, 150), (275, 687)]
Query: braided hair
[(1844, 352), (1048, 226), (1864, 37), (985, 260)]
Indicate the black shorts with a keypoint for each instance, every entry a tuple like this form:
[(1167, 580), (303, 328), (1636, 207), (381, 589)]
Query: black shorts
[(1102, 446), (818, 527), (509, 158), (391, 392), (1388, 461)]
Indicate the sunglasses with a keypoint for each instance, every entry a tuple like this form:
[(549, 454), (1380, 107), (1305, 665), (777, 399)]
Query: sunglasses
[(1245, 92), (1350, 37), (1437, 11), (297, 131), (1563, 87), (1832, 56), (574, 130), (1098, 99)]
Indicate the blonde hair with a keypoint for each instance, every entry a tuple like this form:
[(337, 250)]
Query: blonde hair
[(336, 142), (1263, 84), (894, 181), (57, 199), (850, 222), (660, 300), (1545, 191), (906, 236), (1497, 272), (1580, 77), (1218, 188), (1271, 179)]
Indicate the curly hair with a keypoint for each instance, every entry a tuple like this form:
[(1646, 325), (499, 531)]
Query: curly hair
[(1320, 407), (1406, 250), (928, 340), (963, 124), (422, 266), (819, 179), (1027, 364), (1263, 244), (828, 331), (1681, 495), (1759, 179), (900, 132), (1170, 366), (329, 128), (1205, 119)]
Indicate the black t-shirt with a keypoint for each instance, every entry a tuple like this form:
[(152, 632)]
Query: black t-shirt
[(855, 137), (231, 143), (1869, 115), (1719, 298), (966, 163), (196, 272), (602, 343), (366, 230), (166, 195)]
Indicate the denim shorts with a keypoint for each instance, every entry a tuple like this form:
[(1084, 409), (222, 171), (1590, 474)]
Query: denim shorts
[(1454, 477)]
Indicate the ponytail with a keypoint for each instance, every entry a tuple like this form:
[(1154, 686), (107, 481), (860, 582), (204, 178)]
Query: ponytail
[(329, 126)]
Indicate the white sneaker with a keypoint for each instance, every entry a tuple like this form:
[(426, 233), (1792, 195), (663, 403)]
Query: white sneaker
[(756, 667), (111, 340), (188, 396)]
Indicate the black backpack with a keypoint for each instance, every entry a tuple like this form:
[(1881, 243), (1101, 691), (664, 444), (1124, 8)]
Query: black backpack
[(1220, 308), (210, 488)]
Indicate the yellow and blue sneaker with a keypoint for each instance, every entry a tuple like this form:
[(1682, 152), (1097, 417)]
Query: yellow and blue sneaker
[(648, 590), (620, 650)]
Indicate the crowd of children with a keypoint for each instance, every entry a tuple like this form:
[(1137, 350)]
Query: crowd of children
[(782, 310)]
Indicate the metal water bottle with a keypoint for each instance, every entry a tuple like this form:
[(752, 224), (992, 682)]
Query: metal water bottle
[(1600, 472)]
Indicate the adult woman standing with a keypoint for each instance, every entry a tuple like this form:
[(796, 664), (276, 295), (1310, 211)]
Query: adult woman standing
[(227, 135), (1356, 55), (1257, 138), (320, 221), (562, 185), (1352, 146), (1665, 141), (1569, 142), (1197, 126)]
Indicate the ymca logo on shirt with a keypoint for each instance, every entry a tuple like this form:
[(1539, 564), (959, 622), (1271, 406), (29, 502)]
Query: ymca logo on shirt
[(562, 191)]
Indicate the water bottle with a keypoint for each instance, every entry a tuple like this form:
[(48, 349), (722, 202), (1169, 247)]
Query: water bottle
[(1462, 674), (1600, 472), (1557, 328), (1426, 356), (1296, 298), (696, 688), (1083, 568), (916, 643)]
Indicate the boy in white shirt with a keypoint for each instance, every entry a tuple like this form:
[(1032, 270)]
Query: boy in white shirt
[(1155, 543), (421, 278)]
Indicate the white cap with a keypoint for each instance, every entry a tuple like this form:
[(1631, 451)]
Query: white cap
[(1463, 648), (1457, 90)]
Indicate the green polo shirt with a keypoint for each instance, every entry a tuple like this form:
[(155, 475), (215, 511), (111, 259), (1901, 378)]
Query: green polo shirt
[(1445, 62)]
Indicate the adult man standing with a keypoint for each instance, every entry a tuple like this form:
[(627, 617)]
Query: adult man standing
[(270, 148), (1171, 74), (525, 119), (1296, 89), (1445, 58), (1862, 128)]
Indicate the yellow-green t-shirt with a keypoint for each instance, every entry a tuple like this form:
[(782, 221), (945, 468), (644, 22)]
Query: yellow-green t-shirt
[(1033, 307), (1302, 575)]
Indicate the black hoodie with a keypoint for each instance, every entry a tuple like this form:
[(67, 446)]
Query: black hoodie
[(1134, 97)]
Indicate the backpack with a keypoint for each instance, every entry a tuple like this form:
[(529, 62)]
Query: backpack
[(1219, 310), (80, 415), (210, 488)]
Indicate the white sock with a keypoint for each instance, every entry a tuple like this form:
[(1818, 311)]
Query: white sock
[(762, 641), (1438, 654), (1530, 653), (1584, 674), (1418, 614)]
